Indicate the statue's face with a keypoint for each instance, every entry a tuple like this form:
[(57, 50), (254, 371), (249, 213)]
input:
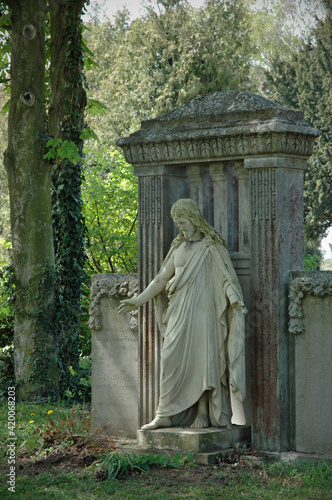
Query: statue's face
[(185, 226)]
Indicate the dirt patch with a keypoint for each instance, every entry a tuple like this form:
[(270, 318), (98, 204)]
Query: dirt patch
[(54, 463), (77, 461)]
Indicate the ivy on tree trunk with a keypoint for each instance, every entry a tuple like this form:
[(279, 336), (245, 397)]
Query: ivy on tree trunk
[(66, 121)]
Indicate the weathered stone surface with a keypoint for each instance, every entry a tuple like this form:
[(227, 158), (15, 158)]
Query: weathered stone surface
[(318, 284), (222, 124), (241, 158), (114, 356), (310, 311), (189, 440)]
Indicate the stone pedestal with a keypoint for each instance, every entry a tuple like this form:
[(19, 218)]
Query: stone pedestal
[(206, 444), (241, 158)]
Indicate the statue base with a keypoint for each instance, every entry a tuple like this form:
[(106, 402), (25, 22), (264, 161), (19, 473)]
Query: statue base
[(207, 445)]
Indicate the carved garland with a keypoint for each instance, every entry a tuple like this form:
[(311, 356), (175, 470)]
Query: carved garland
[(318, 286), (214, 147), (115, 287)]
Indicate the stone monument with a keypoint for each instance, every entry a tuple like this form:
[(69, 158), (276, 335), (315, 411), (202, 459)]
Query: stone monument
[(114, 356), (310, 312), (241, 158)]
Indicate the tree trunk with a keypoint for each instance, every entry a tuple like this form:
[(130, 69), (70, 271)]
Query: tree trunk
[(66, 118), (29, 189)]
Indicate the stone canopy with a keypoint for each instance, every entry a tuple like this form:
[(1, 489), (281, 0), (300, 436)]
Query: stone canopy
[(221, 124)]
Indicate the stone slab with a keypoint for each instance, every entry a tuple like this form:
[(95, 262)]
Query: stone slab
[(293, 456), (189, 440), (311, 304), (114, 359)]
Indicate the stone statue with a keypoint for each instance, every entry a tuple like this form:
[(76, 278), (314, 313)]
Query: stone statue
[(202, 323)]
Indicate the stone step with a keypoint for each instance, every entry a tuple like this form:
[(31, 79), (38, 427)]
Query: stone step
[(188, 440)]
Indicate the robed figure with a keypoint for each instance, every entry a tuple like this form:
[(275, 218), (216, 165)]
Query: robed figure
[(200, 313)]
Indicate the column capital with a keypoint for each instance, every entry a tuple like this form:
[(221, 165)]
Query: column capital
[(159, 170), (289, 162)]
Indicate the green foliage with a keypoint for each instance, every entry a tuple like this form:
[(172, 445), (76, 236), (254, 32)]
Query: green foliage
[(312, 262), (42, 428), (95, 107), (110, 211), (5, 45), (59, 150), (79, 384), (120, 465), (7, 298), (7, 376), (278, 29), (183, 52), (88, 133)]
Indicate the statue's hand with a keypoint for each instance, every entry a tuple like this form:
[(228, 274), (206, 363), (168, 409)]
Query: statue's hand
[(238, 305), (128, 305)]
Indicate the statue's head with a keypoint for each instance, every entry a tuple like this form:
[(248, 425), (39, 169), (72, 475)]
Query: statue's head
[(188, 209)]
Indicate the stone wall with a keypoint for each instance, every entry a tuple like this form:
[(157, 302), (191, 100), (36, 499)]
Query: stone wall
[(310, 310), (114, 355)]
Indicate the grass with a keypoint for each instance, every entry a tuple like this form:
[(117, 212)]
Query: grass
[(41, 427), (54, 465), (296, 482)]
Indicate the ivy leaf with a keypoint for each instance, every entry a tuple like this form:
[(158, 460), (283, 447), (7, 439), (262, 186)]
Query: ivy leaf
[(68, 150), (90, 63), (5, 108), (88, 133), (52, 143), (95, 107)]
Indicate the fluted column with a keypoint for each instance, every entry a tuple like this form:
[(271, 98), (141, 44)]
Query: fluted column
[(159, 188), (276, 193)]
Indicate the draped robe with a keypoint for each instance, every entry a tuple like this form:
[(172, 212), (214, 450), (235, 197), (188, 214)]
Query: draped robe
[(203, 348)]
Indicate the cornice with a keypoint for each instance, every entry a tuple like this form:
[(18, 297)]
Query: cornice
[(206, 146), (218, 126)]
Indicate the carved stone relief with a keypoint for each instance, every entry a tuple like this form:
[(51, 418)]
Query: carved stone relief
[(111, 286), (320, 284), (215, 147)]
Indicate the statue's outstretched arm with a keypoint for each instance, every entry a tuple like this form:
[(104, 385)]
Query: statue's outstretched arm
[(156, 286)]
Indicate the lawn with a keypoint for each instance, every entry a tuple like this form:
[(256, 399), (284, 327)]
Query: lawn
[(59, 456)]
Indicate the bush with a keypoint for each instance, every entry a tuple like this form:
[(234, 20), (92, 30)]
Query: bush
[(7, 377), (78, 387)]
